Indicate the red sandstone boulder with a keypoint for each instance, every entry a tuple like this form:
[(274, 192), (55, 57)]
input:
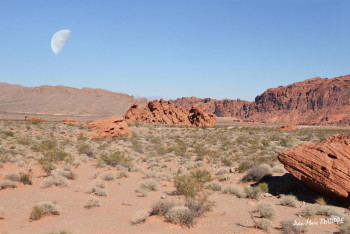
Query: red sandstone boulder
[(158, 112), (287, 127), (200, 118), (324, 167), (110, 127), (29, 118)]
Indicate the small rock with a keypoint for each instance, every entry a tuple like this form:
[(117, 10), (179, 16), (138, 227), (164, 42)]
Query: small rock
[(163, 197)]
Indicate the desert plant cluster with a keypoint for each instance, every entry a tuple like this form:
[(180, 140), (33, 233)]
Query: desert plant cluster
[(173, 175)]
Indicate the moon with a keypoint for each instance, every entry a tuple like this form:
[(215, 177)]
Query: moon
[(59, 40)]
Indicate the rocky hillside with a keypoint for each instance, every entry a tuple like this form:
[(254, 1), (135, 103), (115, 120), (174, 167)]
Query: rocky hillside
[(57, 102), (313, 101)]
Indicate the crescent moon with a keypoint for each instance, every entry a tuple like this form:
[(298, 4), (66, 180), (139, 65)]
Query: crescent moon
[(59, 40)]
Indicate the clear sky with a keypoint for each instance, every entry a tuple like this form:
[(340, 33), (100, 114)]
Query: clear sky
[(175, 48)]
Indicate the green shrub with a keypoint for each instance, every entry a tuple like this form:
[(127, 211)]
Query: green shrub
[(116, 158), (192, 184), (264, 187)]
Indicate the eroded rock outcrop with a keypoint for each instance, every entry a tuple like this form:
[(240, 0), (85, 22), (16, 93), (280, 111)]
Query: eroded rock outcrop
[(314, 101), (110, 127), (31, 118), (324, 167), (71, 121), (200, 118), (165, 112)]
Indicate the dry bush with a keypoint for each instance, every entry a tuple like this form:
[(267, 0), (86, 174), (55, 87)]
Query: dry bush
[(253, 192), (235, 190), (122, 174), (257, 173), (55, 180), (64, 173), (150, 185), (288, 200), (109, 176), (214, 185), (222, 171), (288, 227), (140, 217), (13, 177), (264, 224), (162, 207), (7, 184), (315, 209), (92, 202), (344, 228), (98, 187), (180, 215), (44, 208), (265, 210), (198, 207)]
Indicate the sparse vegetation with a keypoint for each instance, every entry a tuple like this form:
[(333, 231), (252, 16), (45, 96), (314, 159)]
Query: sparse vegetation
[(288, 200), (140, 217), (92, 202), (44, 208)]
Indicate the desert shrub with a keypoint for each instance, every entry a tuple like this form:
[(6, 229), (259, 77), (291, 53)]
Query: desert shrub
[(265, 210), (264, 224), (288, 227), (92, 202), (257, 173), (8, 133), (12, 177), (98, 187), (26, 178), (44, 208), (150, 185), (252, 192), (288, 200), (264, 187), (308, 211), (279, 169), (108, 176), (55, 180), (180, 215), (140, 217), (223, 171), (321, 201), (122, 174), (116, 158), (244, 166), (7, 184), (64, 173), (161, 207), (232, 189), (198, 207), (85, 149), (214, 185), (192, 184)]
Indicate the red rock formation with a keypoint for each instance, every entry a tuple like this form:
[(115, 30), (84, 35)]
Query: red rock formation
[(158, 112), (200, 118), (71, 121), (33, 118), (287, 127), (324, 167), (110, 127), (166, 113), (314, 101)]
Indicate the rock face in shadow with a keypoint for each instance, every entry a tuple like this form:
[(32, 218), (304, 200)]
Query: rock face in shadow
[(200, 118), (324, 167), (28, 118), (110, 127), (314, 101), (165, 112), (287, 127)]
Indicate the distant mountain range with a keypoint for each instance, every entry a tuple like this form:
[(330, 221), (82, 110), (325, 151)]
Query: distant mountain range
[(57, 102), (313, 101)]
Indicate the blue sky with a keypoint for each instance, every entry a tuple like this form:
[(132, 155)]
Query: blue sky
[(175, 48)]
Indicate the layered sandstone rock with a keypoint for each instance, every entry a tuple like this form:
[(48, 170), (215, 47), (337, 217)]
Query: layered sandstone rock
[(29, 118), (311, 102), (165, 112), (110, 127), (324, 167), (287, 127), (200, 118)]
